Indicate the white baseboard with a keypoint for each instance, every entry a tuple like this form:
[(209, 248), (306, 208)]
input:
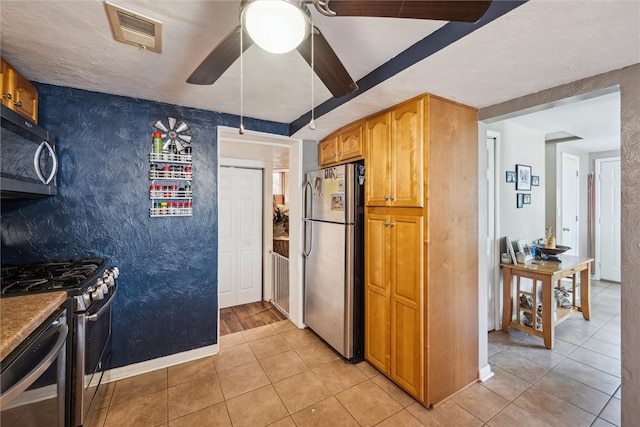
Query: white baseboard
[(485, 373), (159, 363)]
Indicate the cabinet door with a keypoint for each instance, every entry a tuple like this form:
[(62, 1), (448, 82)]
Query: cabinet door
[(328, 152), (25, 98), (377, 133), (377, 290), (7, 84), (350, 144), (407, 307), (407, 160)]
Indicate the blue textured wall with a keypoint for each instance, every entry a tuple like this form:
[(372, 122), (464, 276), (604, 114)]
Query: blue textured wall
[(168, 300)]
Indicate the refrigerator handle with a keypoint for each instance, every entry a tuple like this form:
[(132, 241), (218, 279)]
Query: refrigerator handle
[(308, 238), (308, 225), (308, 203)]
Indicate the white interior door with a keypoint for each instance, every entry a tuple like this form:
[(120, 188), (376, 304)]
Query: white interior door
[(608, 194), (569, 202), (239, 236)]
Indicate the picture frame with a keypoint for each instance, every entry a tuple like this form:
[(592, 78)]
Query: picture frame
[(525, 249), (510, 250), (526, 199), (535, 180), (519, 200), (510, 176), (523, 177)]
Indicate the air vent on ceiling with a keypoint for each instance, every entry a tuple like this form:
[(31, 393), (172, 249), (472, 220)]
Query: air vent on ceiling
[(135, 29)]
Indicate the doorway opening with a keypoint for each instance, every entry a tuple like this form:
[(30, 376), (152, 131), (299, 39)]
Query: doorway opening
[(279, 159)]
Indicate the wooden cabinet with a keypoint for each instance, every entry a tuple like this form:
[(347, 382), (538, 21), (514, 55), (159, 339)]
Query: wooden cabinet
[(394, 323), (421, 274), (395, 156), (345, 145), (18, 93)]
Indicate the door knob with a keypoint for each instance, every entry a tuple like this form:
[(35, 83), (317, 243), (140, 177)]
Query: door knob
[(566, 229)]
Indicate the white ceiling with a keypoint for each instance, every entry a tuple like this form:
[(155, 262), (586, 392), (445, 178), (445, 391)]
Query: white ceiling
[(539, 45), (596, 121)]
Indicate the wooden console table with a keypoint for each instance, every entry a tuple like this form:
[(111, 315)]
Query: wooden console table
[(548, 275)]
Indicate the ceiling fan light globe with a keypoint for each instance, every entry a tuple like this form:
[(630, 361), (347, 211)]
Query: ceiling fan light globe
[(277, 26)]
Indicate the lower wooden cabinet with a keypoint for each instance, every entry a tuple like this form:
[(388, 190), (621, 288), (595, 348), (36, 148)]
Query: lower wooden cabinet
[(394, 320)]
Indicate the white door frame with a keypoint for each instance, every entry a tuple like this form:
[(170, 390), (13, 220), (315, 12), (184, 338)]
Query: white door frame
[(493, 234), (597, 201)]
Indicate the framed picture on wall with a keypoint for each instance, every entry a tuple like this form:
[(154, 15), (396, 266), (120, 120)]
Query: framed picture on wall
[(526, 199), (535, 180), (511, 176), (523, 177), (519, 200)]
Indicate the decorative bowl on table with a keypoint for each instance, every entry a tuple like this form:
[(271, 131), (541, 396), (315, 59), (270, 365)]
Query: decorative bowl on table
[(559, 249)]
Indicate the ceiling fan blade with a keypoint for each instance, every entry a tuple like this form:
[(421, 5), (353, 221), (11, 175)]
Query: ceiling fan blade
[(440, 10), (220, 58), (327, 65)]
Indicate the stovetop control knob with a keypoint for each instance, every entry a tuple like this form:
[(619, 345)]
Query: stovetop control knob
[(103, 286), (97, 294), (115, 272), (107, 279), (87, 298)]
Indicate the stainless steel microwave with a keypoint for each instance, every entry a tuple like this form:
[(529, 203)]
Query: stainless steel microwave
[(28, 162)]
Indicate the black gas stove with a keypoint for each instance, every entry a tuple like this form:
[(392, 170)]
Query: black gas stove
[(92, 287), (71, 276)]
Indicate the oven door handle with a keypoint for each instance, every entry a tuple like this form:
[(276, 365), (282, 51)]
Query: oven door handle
[(62, 329), (96, 315)]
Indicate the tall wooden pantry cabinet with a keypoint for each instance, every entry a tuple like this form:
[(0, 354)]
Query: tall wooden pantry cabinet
[(421, 234)]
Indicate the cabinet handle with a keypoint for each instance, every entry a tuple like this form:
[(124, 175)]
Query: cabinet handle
[(391, 224), (18, 104), (6, 95), (392, 198), (386, 197), (339, 154)]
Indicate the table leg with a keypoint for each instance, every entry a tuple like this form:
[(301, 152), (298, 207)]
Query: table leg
[(585, 292), (547, 311), (507, 299)]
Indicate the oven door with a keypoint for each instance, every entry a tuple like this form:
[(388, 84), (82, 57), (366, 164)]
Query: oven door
[(93, 348), (33, 381)]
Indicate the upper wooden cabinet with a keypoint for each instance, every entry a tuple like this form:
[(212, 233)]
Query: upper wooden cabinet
[(18, 93), (343, 146), (395, 159)]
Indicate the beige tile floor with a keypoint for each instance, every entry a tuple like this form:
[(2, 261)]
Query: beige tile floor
[(279, 375)]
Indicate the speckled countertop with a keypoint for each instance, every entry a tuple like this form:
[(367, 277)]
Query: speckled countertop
[(21, 315)]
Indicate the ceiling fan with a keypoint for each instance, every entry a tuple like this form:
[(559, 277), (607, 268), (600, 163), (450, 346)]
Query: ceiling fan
[(280, 26)]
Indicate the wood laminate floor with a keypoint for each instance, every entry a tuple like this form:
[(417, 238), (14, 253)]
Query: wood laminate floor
[(247, 316)]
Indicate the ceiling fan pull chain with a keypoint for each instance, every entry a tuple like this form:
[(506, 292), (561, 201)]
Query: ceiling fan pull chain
[(241, 128), (312, 123), (322, 6)]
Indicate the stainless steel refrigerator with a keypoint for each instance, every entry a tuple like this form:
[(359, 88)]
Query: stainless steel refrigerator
[(334, 257)]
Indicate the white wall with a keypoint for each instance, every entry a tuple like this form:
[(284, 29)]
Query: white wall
[(526, 147)]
